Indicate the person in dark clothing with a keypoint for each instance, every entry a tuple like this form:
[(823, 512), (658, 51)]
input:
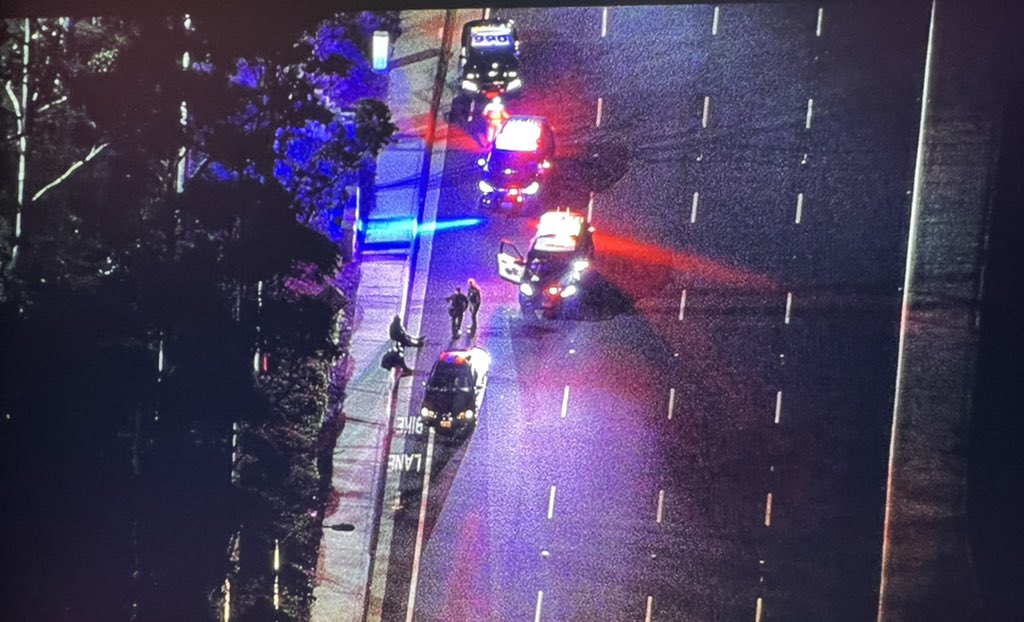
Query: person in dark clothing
[(457, 304), (402, 338), (473, 296), (395, 357)]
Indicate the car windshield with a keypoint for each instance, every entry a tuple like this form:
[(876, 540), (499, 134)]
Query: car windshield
[(446, 376), (515, 160), (548, 265)]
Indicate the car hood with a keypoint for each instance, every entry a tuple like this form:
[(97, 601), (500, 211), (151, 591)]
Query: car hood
[(520, 176), (484, 63), (451, 401)]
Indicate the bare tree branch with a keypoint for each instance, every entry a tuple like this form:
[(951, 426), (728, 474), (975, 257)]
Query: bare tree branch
[(55, 102), (95, 151), (14, 101)]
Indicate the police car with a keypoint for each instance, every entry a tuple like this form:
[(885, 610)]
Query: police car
[(489, 57), (522, 154), (455, 390), (557, 267)]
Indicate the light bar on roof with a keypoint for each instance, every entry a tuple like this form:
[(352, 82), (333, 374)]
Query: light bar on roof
[(519, 135), (558, 231)]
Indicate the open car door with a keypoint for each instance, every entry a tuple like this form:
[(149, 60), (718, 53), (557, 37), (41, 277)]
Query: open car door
[(511, 265)]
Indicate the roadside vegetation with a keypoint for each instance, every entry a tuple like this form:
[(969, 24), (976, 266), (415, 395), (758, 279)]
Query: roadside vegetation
[(169, 224)]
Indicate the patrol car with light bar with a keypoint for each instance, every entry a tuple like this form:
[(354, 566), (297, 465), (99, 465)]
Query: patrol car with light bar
[(455, 390), (489, 57), (557, 268), (521, 157)]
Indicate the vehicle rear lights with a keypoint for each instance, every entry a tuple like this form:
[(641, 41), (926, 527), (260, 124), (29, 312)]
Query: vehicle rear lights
[(553, 290)]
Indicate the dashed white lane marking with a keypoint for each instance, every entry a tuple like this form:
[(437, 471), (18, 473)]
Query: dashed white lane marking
[(682, 306), (768, 511), (799, 208), (418, 551), (789, 306), (540, 601), (590, 208), (693, 210), (758, 609), (565, 401), (661, 506), (817, 29), (810, 113), (472, 109), (778, 406), (600, 110), (551, 503), (671, 402), (650, 609), (714, 23), (707, 106), (604, 22), (160, 358)]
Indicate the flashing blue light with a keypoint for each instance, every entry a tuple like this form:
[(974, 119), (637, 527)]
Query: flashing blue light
[(396, 226)]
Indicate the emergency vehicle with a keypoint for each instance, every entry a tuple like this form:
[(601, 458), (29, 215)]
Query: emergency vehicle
[(521, 156), (489, 57), (557, 267), (455, 390)]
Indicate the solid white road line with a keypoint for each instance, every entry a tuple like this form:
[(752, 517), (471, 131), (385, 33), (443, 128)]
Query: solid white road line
[(817, 29), (908, 280), (551, 503), (810, 112), (661, 506), (768, 511), (778, 406), (650, 609), (418, 551), (758, 609), (789, 306), (671, 402), (704, 117), (682, 306), (604, 22), (565, 401), (600, 109), (799, 208), (540, 601), (714, 23), (693, 209)]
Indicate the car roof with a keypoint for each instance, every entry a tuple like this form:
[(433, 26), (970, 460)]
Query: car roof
[(559, 231), (489, 33), (521, 133)]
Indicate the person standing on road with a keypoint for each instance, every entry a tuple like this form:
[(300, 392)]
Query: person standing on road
[(473, 297), (457, 304), (402, 338)]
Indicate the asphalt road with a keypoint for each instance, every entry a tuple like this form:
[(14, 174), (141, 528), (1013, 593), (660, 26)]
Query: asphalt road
[(711, 442)]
